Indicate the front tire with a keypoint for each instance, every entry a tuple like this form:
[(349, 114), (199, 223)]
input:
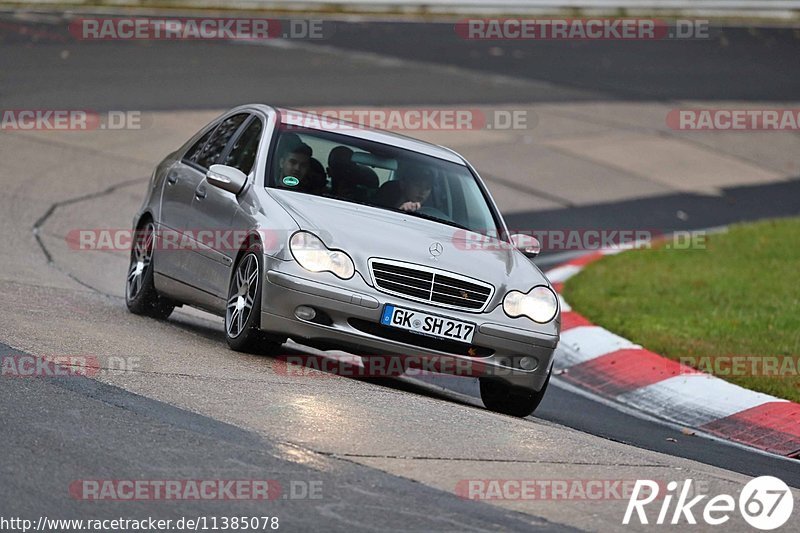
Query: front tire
[(141, 296), (508, 400), (243, 306)]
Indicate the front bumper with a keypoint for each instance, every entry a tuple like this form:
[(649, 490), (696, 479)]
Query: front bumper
[(347, 304)]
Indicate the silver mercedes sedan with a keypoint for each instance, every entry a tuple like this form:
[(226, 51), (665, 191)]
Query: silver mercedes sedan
[(338, 236)]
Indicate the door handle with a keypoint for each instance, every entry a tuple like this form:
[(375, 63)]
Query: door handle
[(172, 178), (200, 192)]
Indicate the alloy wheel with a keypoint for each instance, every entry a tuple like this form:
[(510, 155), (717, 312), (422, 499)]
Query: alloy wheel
[(241, 296)]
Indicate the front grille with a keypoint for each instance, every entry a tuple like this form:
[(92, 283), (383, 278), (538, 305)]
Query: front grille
[(430, 285)]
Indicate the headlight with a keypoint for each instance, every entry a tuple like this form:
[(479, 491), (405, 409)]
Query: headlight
[(539, 304), (312, 254)]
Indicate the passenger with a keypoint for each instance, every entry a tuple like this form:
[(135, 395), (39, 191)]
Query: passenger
[(350, 180), (317, 182), (341, 169)]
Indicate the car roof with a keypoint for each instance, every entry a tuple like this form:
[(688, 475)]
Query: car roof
[(301, 118)]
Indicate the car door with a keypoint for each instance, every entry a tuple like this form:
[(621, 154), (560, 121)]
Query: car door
[(178, 227), (176, 199), (213, 210)]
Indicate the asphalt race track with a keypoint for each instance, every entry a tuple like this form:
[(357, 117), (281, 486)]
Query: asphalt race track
[(387, 454)]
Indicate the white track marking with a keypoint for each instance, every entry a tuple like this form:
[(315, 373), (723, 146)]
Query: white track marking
[(694, 399), (584, 343), (562, 273)]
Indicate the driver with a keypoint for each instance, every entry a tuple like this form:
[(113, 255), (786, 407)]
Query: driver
[(408, 192)]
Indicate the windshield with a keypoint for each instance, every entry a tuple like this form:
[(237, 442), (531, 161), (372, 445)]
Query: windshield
[(359, 171)]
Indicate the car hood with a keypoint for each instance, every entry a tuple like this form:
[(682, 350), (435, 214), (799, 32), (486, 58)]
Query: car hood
[(367, 232)]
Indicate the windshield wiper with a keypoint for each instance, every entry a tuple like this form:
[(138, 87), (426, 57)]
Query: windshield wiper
[(431, 217), (396, 210)]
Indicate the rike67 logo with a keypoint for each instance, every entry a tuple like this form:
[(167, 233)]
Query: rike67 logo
[(766, 503)]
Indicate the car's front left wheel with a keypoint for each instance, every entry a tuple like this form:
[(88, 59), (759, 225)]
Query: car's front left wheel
[(141, 296), (243, 306)]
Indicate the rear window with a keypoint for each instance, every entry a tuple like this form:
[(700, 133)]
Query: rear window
[(212, 149)]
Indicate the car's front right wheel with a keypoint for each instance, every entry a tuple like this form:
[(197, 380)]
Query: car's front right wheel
[(243, 306), (508, 400)]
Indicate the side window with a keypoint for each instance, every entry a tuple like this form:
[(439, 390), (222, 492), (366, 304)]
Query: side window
[(243, 151), (194, 152), (210, 153)]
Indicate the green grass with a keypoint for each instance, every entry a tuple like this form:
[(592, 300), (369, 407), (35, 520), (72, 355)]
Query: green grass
[(740, 295)]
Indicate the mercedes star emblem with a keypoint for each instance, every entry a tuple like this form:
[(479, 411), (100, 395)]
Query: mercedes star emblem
[(436, 249)]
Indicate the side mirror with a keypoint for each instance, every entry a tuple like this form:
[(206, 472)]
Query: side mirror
[(226, 178), (527, 244)]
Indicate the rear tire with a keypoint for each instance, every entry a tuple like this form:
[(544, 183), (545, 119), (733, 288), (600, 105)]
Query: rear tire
[(508, 400), (141, 296), (243, 306)]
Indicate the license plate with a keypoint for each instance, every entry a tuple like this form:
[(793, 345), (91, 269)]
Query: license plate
[(425, 324)]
